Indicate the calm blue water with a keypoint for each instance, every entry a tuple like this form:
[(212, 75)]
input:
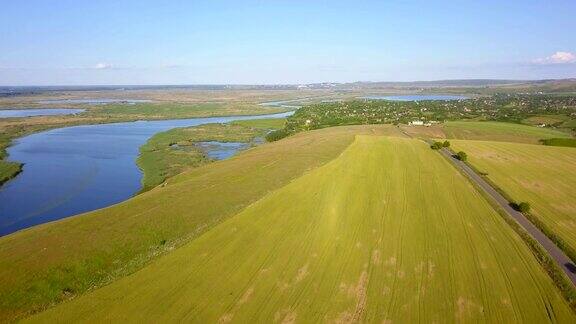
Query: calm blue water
[(92, 101), (416, 97), (37, 112), (284, 103), (221, 150), (72, 170)]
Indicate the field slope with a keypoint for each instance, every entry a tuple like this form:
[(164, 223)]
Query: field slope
[(544, 176), (498, 131), (46, 264), (487, 131), (388, 231)]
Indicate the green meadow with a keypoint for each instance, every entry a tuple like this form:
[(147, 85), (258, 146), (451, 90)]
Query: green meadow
[(544, 176), (8, 170), (566, 142), (386, 232), (546, 119)]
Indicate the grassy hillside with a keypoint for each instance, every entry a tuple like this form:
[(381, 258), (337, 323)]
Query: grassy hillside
[(45, 264), (387, 232), (544, 176)]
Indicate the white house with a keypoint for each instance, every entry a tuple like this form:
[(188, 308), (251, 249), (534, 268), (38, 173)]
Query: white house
[(416, 123)]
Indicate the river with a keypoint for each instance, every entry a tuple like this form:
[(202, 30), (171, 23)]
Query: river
[(72, 170)]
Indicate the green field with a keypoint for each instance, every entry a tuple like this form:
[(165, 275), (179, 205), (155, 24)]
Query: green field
[(8, 170), (487, 131), (546, 119), (561, 121), (570, 123), (566, 142), (497, 131), (544, 176), (52, 262), (388, 232)]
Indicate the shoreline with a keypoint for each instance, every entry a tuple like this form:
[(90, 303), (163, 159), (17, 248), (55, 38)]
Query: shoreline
[(5, 155)]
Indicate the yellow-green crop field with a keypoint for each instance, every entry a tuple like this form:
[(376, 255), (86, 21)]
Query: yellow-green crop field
[(497, 131), (386, 232), (544, 176), (487, 131)]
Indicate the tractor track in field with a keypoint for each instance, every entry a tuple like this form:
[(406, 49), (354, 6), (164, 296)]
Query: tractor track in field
[(563, 261)]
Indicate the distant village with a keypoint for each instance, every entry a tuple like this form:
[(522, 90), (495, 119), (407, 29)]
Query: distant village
[(505, 108)]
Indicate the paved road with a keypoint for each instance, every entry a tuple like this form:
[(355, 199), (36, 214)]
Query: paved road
[(554, 251), (563, 260)]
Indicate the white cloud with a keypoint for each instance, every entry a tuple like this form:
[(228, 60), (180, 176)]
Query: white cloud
[(557, 58), (103, 66)]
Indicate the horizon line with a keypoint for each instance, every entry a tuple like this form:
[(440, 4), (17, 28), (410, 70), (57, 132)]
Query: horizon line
[(283, 84)]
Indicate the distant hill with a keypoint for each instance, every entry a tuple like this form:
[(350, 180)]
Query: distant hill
[(551, 85), (444, 83)]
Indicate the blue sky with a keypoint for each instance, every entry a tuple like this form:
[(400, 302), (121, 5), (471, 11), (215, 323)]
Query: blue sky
[(199, 42)]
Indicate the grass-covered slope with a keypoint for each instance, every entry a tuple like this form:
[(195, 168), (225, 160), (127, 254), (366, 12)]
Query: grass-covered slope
[(389, 232), (45, 264), (544, 176)]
